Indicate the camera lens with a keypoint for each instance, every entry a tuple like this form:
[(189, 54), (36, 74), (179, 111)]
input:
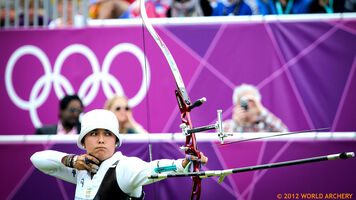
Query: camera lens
[(244, 103)]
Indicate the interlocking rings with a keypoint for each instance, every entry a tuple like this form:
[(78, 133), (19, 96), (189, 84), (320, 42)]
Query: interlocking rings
[(92, 82)]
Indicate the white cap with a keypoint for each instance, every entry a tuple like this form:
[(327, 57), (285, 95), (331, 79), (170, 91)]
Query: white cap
[(99, 118)]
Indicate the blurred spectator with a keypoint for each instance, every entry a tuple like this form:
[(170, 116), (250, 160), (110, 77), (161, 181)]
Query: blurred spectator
[(31, 14), (108, 9), (249, 115), (223, 7), (252, 7), (154, 9), (67, 9), (119, 106), (186, 8), (206, 7), (2, 13), (281, 7), (21, 14), (70, 108), (327, 6), (350, 5)]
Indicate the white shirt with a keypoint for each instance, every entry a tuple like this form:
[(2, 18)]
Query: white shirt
[(131, 172), (62, 131)]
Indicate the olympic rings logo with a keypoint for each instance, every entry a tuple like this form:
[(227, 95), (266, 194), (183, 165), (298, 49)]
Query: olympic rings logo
[(92, 82)]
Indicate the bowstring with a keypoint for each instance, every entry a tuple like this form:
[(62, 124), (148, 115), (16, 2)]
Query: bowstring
[(148, 122)]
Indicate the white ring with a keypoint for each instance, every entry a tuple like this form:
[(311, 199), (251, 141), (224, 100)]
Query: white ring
[(116, 50), (91, 83), (32, 50), (89, 54)]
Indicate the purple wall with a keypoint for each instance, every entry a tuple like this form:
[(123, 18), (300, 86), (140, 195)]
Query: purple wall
[(305, 71), (22, 181)]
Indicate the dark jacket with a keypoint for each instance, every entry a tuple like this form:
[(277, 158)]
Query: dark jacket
[(51, 130)]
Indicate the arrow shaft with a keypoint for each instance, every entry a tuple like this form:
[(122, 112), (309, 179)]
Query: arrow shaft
[(205, 174)]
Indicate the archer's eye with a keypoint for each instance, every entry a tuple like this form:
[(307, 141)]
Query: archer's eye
[(108, 133), (93, 133)]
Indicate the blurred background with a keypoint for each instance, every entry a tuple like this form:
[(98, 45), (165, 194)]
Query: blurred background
[(299, 54)]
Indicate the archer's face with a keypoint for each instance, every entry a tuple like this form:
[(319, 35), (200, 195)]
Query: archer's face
[(100, 143)]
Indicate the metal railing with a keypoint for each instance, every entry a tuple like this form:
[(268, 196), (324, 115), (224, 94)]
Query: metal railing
[(179, 137), (43, 13)]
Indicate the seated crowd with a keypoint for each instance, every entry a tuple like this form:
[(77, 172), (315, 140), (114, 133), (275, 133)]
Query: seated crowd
[(104, 9), (124, 9)]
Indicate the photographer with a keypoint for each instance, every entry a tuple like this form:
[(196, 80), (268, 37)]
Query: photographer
[(249, 115)]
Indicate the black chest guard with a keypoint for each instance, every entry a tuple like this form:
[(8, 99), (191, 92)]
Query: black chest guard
[(109, 188)]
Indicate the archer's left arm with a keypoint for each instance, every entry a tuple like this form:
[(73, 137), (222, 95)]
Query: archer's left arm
[(132, 172)]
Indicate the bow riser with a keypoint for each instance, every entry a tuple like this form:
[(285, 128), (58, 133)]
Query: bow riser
[(190, 142)]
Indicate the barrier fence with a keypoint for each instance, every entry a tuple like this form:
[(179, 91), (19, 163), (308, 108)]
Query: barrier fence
[(39, 13), (335, 177)]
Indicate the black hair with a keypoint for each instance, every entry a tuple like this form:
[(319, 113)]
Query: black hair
[(67, 99)]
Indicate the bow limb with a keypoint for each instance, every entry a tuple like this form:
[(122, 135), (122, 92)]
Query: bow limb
[(182, 98), (166, 52)]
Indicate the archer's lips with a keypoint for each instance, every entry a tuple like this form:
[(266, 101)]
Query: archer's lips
[(100, 148)]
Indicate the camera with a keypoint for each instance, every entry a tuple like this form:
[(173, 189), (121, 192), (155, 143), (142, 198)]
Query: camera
[(244, 103)]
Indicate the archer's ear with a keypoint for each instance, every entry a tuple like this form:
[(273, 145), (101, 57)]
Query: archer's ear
[(83, 143)]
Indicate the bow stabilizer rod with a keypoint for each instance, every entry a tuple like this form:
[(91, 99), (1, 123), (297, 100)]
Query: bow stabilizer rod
[(276, 135), (223, 173)]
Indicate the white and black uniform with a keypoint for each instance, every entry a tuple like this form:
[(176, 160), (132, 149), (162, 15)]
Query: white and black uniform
[(131, 172)]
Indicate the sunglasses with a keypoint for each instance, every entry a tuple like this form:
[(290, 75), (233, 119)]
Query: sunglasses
[(73, 110), (119, 108)]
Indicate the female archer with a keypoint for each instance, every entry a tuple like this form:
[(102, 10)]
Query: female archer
[(102, 173)]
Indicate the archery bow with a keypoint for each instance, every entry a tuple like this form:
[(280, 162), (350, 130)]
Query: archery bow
[(185, 106), (190, 147)]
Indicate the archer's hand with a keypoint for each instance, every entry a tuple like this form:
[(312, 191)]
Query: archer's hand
[(203, 159), (87, 162)]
